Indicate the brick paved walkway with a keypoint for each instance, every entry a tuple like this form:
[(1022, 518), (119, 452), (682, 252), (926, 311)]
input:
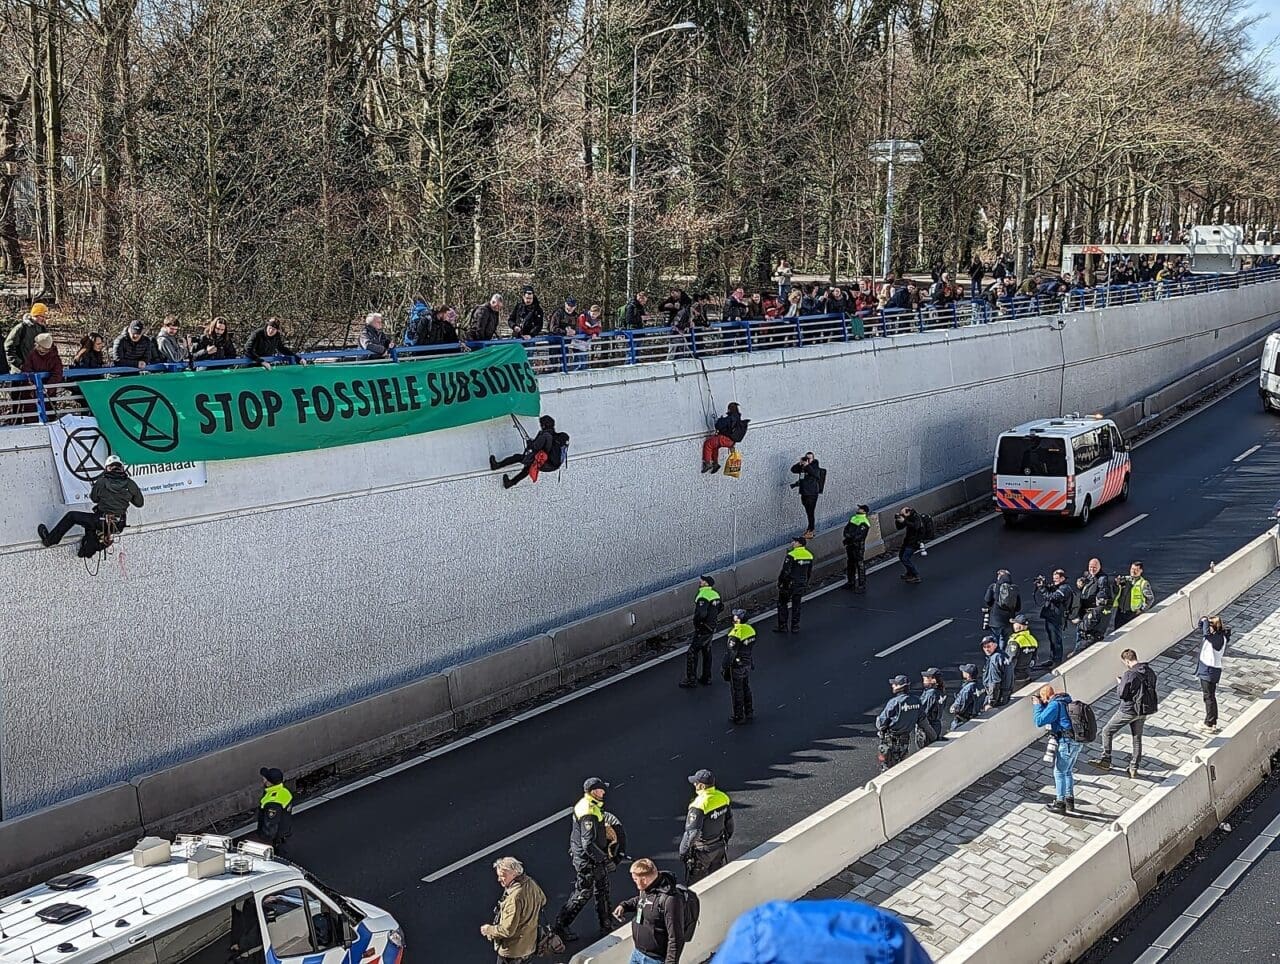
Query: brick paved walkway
[(952, 872)]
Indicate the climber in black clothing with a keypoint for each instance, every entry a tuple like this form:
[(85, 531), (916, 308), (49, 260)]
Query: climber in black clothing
[(542, 453)]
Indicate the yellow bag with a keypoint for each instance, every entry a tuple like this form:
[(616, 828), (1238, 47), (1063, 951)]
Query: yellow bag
[(733, 464)]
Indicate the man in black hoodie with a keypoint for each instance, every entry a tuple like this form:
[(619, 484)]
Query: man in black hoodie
[(1138, 700), (526, 316), (541, 454), (266, 342), (658, 928), (810, 486)]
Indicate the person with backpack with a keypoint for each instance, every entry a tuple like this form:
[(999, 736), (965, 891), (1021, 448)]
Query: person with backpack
[(932, 701), (813, 479), (111, 495), (1002, 602), (855, 549), (542, 453), (912, 522), (1215, 635), (707, 608), (730, 429), (793, 580), (1138, 700), (997, 674), (659, 912), (1051, 709), (708, 828), (971, 698)]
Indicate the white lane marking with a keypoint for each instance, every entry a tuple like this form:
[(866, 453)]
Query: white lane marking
[(494, 848), (1246, 453), (665, 657), (1120, 528), (1201, 906), (911, 639)]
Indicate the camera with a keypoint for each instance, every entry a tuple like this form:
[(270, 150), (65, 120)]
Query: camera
[(1040, 582)]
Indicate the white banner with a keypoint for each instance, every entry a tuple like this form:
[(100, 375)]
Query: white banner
[(80, 451)]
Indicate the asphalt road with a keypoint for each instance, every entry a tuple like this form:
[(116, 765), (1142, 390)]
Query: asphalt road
[(816, 695), (1242, 924)]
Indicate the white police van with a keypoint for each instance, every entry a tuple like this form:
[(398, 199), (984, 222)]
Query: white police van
[(195, 901), (1269, 376), (1060, 466)]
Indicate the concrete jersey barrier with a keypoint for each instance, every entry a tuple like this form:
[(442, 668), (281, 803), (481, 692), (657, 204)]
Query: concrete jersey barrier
[(915, 788)]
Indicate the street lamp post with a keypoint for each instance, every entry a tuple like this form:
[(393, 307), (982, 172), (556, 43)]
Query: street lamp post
[(891, 153), (682, 27)]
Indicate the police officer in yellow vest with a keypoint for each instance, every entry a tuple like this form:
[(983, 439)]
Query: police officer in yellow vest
[(275, 810), (708, 827), (707, 608), (793, 580), (1134, 597), (738, 664), (1022, 648), (589, 853)]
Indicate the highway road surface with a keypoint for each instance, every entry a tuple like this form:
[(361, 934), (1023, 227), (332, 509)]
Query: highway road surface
[(420, 842)]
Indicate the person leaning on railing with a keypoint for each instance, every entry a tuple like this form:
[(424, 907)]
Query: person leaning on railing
[(216, 343), (133, 349), (22, 337), (266, 342), (42, 359), (91, 353)]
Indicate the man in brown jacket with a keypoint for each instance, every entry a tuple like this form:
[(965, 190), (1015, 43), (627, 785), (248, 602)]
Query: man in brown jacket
[(514, 930)]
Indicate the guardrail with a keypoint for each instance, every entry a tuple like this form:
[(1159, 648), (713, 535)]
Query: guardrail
[(34, 398)]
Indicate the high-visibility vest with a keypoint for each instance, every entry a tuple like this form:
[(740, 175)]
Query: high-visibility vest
[(278, 793), (742, 631), (588, 805), (801, 554), (1024, 640), (707, 593)]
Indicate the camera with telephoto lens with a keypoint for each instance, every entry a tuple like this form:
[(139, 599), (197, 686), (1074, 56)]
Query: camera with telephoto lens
[(1040, 582)]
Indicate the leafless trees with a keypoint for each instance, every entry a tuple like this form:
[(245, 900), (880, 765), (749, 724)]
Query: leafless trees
[(313, 157)]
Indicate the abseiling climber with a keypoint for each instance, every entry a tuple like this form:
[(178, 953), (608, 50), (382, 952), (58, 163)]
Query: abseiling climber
[(544, 452), (730, 429)]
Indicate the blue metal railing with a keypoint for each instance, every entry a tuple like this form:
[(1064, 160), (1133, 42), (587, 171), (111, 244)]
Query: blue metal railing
[(33, 398)]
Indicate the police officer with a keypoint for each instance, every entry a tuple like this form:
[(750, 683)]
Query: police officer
[(275, 810), (738, 664), (855, 549), (997, 673), (971, 698), (708, 827), (588, 851), (932, 701), (1135, 595), (1002, 602), (707, 608), (1093, 612), (1022, 648), (896, 721), (1058, 597), (793, 580)]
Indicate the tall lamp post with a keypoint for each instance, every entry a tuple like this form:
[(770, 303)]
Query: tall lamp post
[(891, 153), (683, 27)]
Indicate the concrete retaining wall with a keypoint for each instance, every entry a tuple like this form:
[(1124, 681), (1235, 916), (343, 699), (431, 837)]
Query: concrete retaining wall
[(1126, 860)]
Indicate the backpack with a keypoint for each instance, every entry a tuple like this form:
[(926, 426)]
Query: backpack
[(740, 430), (1146, 701), (1007, 597), (927, 528), (549, 942), (691, 906), (559, 454), (1084, 725), (822, 480)]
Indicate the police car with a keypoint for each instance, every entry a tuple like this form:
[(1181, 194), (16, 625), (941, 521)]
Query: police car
[(1065, 467), (197, 900)]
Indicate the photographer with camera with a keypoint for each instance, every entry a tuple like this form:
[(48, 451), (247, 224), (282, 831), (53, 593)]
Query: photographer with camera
[(813, 479), (1058, 601), (1134, 595), (1093, 613)]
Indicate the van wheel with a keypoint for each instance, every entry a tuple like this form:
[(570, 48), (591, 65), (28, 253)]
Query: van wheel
[(1124, 490), (1082, 519), (1011, 519)]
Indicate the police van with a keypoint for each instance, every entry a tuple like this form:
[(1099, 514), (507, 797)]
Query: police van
[(1269, 376), (197, 900), (1060, 467)]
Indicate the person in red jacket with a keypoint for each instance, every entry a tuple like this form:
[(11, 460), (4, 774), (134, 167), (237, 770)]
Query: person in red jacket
[(43, 359)]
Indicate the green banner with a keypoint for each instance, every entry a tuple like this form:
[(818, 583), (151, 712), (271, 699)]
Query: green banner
[(242, 413)]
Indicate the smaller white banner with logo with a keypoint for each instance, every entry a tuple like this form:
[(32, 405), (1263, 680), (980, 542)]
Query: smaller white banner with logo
[(80, 453)]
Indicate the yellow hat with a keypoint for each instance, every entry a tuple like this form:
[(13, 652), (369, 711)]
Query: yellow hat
[(39, 309)]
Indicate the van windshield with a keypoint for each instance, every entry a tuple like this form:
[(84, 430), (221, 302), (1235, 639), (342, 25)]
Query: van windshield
[(1032, 455)]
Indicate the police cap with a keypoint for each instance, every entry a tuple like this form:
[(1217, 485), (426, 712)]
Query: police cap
[(932, 671), (272, 775), (594, 783), (899, 680), (708, 580), (1021, 619), (969, 668), (705, 777), (989, 639), (739, 614)]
